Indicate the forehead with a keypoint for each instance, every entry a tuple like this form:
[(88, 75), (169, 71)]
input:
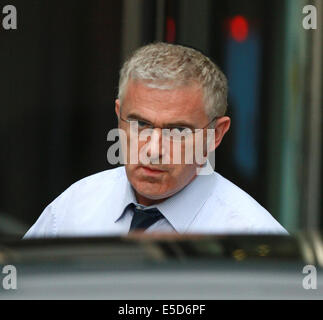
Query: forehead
[(163, 105)]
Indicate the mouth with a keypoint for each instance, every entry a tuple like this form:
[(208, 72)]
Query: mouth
[(151, 170)]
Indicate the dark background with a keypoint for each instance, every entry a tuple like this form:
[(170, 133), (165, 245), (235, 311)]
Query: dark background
[(59, 76)]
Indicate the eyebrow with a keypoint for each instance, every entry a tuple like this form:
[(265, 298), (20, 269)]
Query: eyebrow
[(180, 123)]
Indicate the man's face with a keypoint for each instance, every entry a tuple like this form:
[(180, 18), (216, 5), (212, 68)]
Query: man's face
[(182, 107)]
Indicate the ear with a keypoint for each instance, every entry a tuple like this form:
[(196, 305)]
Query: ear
[(117, 107), (221, 128)]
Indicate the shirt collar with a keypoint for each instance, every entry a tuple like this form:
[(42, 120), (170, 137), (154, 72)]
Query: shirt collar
[(180, 209), (128, 198)]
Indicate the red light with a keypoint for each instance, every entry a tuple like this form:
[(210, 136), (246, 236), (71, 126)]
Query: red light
[(170, 30), (239, 28)]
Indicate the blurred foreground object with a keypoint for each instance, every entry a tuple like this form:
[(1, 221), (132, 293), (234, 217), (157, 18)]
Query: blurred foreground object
[(160, 266)]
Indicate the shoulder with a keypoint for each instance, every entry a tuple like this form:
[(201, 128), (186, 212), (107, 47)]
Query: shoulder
[(90, 189), (104, 179), (83, 196), (239, 211)]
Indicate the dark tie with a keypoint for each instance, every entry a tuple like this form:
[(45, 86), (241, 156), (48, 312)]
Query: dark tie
[(143, 219)]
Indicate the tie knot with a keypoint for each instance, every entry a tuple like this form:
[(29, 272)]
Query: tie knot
[(143, 219), (151, 211)]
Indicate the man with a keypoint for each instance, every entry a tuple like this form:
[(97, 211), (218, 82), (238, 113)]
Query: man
[(166, 93)]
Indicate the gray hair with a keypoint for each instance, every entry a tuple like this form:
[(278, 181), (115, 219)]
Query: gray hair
[(167, 66)]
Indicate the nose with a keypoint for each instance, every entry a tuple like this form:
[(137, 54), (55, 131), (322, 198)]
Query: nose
[(155, 149)]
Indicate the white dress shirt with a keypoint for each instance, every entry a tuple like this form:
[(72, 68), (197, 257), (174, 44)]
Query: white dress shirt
[(98, 205)]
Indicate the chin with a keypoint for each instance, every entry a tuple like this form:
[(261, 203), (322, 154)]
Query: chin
[(153, 187), (150, 191)]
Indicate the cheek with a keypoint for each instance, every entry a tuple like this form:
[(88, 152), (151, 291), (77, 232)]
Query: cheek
[(181, 154), (178, 177), (184, 173)]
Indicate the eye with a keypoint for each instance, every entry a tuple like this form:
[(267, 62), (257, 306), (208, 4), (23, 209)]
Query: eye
[(142, 124)]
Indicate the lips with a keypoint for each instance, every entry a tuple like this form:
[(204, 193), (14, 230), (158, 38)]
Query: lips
[(152, 170)]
